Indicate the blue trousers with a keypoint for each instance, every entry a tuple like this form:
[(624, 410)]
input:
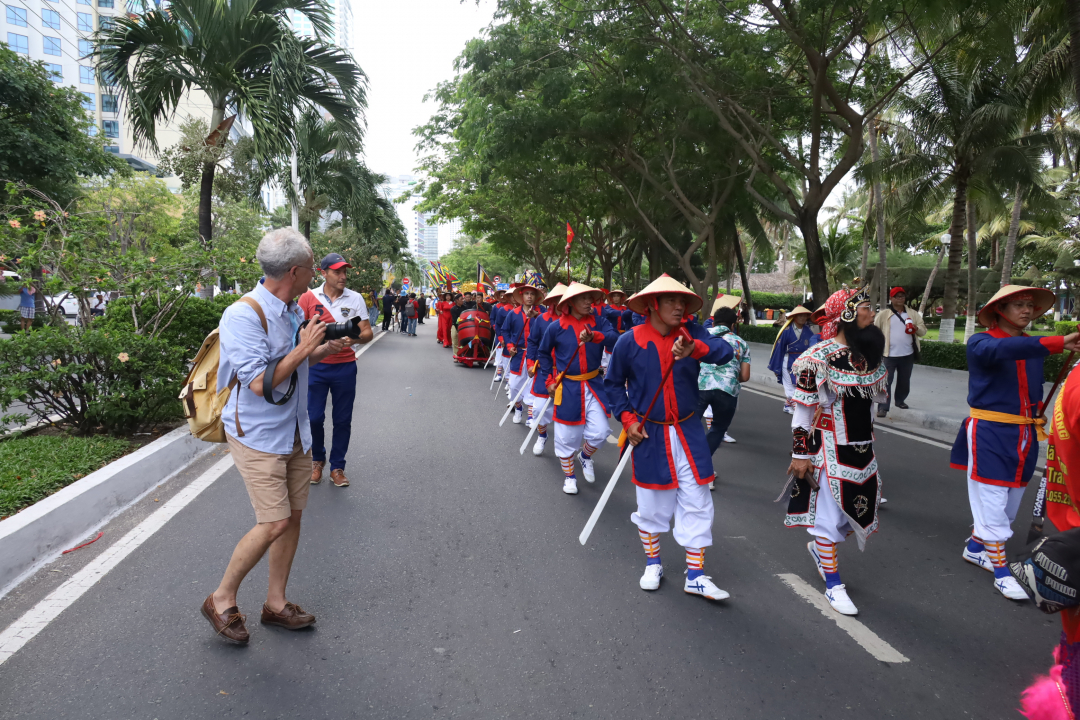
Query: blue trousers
[(338, 379), (723, 408)]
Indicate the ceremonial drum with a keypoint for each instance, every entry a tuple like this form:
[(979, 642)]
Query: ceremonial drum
[(474, 338)]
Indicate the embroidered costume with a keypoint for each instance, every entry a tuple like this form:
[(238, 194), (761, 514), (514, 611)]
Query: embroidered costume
[(832, 425), (998, 444), (672, 467)]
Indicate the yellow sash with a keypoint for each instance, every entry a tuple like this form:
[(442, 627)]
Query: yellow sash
[(1008, 419), (579, 378)]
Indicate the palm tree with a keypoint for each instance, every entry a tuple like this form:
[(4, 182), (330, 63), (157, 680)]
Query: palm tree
[(842, 252), (244, 56)]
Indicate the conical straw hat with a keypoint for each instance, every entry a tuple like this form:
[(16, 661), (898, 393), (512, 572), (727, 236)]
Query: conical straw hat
[(664, 285), (555, 294), (622, 292), (800, 310), (725, 301), (577, 289), (1044, 300), (526, 286)]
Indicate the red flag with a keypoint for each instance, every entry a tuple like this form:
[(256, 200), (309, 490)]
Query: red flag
[(569, 237)]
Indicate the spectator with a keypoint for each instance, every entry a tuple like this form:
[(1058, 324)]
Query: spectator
[(421, 308), (902, 327), (99, 305), (336, 374), (403, 298), (26, 306), (412, 312), (719, 385), (266, 426), (387, 308)]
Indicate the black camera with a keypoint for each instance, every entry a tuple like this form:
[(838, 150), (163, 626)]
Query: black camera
[(350, 328)]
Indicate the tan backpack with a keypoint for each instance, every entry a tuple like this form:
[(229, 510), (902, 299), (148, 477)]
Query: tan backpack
[(203, 404)]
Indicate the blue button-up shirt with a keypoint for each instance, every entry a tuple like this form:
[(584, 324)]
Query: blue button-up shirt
[(245, 352)]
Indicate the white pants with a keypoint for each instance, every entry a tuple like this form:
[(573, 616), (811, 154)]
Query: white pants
[(517, 382), (501, 361), (993, 508), (548, 414), (568, 438), (830, 522), (690, 504), (789, 387), (605, 360)]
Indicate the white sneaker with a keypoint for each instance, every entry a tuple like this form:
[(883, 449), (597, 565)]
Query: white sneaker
[(651, 579), (517, 417), (979, 559), (569, 486), (729, 439), (841, 603), (812, 547), (587, 468), (788, 410), (703, 585), (883, 501), (712, 485), (538, 446), (1011, 589)]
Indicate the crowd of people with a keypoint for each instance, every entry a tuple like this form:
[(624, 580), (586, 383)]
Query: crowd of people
[(573, 356)]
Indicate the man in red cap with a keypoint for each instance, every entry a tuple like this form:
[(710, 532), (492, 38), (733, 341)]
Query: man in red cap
[(902, 327), (336, 374)]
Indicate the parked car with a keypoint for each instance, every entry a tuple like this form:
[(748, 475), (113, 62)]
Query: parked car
[(10, 299), (68, 303)]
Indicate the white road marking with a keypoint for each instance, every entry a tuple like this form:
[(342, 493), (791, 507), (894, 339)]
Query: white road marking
[(38, 617), (374, 340), (861, 634)]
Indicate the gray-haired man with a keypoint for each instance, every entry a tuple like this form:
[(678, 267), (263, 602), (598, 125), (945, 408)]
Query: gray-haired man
[(266, 425)]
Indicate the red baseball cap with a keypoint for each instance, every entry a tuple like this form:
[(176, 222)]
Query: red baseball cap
[(896, 291), (333, 261)]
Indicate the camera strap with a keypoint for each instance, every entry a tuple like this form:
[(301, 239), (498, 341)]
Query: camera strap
[(268, 387)]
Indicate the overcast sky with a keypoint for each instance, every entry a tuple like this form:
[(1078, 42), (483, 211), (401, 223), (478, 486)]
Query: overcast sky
[(407, 47)]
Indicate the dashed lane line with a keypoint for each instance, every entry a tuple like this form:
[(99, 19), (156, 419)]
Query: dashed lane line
[(861, 634), (34, 620)]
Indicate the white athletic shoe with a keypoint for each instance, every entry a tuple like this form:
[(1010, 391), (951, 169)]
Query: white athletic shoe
[(712, 485), (729, 439), (841, 603), (883, 501), (1011, 589), (979, 559), (703, 585), (651, 579), (538, 446), (788, 410), (812, 547), (517, 417), (570, 486), (587, 468)]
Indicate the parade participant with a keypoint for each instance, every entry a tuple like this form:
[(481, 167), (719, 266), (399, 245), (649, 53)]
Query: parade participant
[(614, 312), (498, 315), (836, 488), (903, 326), (1046, 580), (532, 355), (443, 307), (794, 338), (671, 463), (718, 385), (997, 444), (573, 344), (516, 331), (335, 375)]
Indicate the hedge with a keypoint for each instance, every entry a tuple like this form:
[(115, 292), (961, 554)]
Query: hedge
[(1062, 327), (775, 301), (10, 321), (758, 333)]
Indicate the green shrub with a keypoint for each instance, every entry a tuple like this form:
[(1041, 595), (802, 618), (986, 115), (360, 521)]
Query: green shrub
[(186, 331), (32, 468), (92, 378), (758, 333), (952, 356), (10, 321), (763, 300), (1063, 327)]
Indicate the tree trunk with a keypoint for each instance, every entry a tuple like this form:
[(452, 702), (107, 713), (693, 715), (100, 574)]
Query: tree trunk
[(956, 254), (973, 267), (1072, 7), (930, 281), (866, 239), (206, 201), (879, 221), (307, 230), (748, 299), (1010, 244), (815, 260)]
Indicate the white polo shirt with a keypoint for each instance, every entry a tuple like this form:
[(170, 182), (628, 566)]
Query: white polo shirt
[(348, 306)]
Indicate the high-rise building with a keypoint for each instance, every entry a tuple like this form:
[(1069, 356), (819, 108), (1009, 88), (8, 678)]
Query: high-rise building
[(426, 244), (341, 16), (59, 33)]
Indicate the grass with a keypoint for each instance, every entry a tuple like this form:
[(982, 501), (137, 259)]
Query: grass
[(32, 468)]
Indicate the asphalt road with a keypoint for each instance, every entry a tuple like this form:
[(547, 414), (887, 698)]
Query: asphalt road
[(449, 583)]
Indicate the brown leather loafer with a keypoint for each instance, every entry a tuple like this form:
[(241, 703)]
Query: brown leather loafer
[(291, 617), (338, 478), (229, 624), (316, 471)]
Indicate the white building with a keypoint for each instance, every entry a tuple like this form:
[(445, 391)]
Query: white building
[(426, 245), (426, 241), (341, 19)]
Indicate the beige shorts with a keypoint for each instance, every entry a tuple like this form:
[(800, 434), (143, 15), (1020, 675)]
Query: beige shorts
[(276, 484)]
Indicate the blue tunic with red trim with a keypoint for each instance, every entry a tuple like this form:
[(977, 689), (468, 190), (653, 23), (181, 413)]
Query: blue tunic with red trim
[(1005, 374), (616, 317), (637, 365), (498, 315), (532, 352), (560, 345), (515, 327)]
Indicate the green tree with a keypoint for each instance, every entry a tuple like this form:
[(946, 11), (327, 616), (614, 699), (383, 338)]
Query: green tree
[(243, 55), (462, 261), (46, 141)]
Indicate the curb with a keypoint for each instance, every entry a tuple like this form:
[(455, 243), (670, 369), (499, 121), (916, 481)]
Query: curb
[(39, 534)]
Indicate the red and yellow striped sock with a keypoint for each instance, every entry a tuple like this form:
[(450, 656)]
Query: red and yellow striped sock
[(530, 413), (651, 543), (826, 551), (587, 451), (695, 558), (541, 430), (708, 423), (996, 551), (567, 466)]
